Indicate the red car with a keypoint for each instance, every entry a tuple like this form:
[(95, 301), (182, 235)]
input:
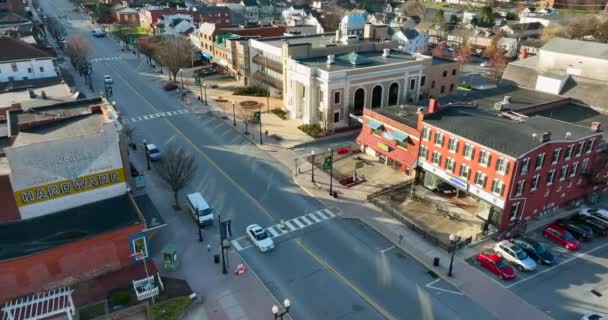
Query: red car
[(561, 236), (496, 264)]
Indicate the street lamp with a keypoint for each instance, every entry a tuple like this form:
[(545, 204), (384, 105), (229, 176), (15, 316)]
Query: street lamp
[(279, 314), (453, 241), (146, 152), (233, 114), (200, 226), (331, 171), (260, 112), (181, 73), (312, 155), (205, 91)]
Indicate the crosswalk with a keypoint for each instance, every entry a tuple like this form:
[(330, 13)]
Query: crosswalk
[(105, 59), (292, 225), (159, 115)]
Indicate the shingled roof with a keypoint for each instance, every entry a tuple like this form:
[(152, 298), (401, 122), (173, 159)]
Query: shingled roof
[(13, 49)]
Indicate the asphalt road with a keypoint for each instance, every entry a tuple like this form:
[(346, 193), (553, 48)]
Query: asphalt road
[(331, 271)]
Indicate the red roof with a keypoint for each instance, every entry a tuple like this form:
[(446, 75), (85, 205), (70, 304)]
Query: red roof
[(263, 32), (407, 157)]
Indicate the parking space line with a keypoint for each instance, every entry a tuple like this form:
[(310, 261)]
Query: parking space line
[(236, 245), (580, 255), (385, 250), (430, 286)]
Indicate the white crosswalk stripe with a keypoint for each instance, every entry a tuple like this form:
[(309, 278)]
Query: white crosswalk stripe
[(159, 115), (105, 59), (292, 225)]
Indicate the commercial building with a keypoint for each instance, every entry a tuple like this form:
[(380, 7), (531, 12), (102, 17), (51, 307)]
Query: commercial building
[(20, 61), (513, 155), (67, 215)]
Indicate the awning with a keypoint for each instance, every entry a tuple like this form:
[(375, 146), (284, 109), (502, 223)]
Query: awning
[(388, 136), (220, 62), (206, 55), (400, 136), (374, 124)]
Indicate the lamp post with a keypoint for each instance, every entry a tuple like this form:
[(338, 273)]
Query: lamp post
[(200, 226), (279, 314), (312, 155), (205, 91), (233, 115), (181, 74), (331, 171), (260, 112), (146, 151), (222, 245), (453, 240)]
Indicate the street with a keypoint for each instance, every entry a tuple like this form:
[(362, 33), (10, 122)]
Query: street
[(331, 270)]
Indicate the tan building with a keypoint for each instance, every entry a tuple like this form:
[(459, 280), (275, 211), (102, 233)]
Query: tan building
[(441, 78)]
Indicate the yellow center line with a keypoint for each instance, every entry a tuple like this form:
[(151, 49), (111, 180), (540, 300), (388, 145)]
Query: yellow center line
[(358, 291)]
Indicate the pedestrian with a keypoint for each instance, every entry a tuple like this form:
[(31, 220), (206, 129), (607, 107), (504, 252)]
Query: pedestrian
[(208, 248), (400, 238)]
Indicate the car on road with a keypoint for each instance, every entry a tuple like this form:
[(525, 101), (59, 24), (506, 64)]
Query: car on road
[(170, 86), (484, 64), (107, 79), (561, 236), (153, 152), (579, 230), (260, 237), (516, 255), (599, 226), (593, 316), (98, 33), (535, 250), (496, 264), (596, 212)]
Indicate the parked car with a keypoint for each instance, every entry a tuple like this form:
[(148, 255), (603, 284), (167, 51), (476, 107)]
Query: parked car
[(599, 226), (445, 188), (600, 213), (593, 316), (579, 230), (260, 238), (535, 250), (107, 79), (561, 236), (496, 264), (516, 255), (153, 152), (170, 86)]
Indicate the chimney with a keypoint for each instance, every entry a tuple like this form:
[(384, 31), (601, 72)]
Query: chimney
[(433, 106), (546, 136), (331, 59), (386, 52), (595, 126)]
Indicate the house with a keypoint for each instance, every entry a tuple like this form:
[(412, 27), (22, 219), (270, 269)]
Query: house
[(251, 10), (266, 11), (174, 25), (352, 25), (411, 40), (523, 30), (594, 5), (436, 33), (126, 16), (509, 46), (469, 16), (212, 14), (14, 21), (545, 16), (440, 78), (300, 22), (531, 46), (20, 61), (403, 22), (17, 6)]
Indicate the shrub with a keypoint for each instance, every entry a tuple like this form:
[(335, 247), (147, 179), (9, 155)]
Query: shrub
[(171, 309), (120, 298), (251, 91), (313, 130), (280, 113), (465, 86)]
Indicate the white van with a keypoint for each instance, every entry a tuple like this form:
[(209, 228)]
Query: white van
[(199, 208)]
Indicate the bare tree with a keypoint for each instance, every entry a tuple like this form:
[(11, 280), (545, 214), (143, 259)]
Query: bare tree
[(413, 8), (176, 170), (78, 49), (175, 53), (440, 50), (147, 46), (464, 53), (499, 62)]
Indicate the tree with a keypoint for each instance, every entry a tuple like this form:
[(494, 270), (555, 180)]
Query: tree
[(440, 50), (499, 62), (474, 21), (174, 53), (453, 20), (464, 54), (413, 8), (78, 49), (55, 28), (601, 33), (147, 46), (176, 170), (486, 16), (551, 31), (581, 26), (439, 18)]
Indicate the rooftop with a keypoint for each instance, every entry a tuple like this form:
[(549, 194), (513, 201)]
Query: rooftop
[(578, 48), (406, 114), (54, 93), (357, 60), (316, 40), (13, 49), (29, 236), (500, 134)]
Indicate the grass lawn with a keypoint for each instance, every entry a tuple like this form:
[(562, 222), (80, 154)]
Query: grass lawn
[(171, 309), (92, 311)]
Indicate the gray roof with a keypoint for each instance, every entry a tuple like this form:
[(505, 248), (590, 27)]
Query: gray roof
[(370, 59), (406, 114), (29, 236), (573, 113), (501, 134), (410, 33), (149, 212), (577, 47)]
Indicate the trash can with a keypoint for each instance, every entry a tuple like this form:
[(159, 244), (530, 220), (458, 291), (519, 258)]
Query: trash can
[(216, 258), (335, 194), (436, 261)]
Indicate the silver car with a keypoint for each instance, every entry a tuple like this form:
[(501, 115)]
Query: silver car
[(516, 255), (153, 152)]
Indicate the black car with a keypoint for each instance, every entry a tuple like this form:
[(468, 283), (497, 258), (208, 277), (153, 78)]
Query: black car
[(445, 188), (599, 226), (578, 230), (535, 250)]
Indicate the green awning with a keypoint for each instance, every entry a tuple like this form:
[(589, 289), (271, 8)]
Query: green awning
[(374, 124), (399, 136)]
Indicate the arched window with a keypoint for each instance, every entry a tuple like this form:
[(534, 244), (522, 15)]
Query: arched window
[(359, 102), (393, 94), (377, 97)]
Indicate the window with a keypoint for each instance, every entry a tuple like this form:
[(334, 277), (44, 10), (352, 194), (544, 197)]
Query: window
[(569, 152), (445, 73), (426, 133), (422, 81), (519, 189), (337, 97), (424, 152), (555, 156), (534, 183), (498, 187), (439, 138), (550, 177), (480, 179), (451, 87), (579, 148), (584, 166), (453, 72), (484, 158), (412, 84), (29, 70), (468, 151), (14, 67), (524, 166), (465, 171), (41, 69), (540, 160), (590, 145), (436, 158), (453, 145), (563, 172), (336, 116), (442, 89), (450, 164), (433, 84), (573, 169), (515, 210), (502, 166)]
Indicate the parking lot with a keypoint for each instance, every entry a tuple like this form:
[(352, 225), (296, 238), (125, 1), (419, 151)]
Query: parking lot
[(577, 282)]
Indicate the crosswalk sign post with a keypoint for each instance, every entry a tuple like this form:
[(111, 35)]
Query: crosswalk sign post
[(197, 80), (327, 163), (257, 115)]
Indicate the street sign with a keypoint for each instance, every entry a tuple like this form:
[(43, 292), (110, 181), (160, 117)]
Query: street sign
[(257, 115), (197, 80), (327, 163)]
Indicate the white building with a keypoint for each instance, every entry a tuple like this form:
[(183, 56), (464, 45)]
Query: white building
[(411, 40), (20, 61), (298, 20), (175, 24), (352, 25), (327, 90)]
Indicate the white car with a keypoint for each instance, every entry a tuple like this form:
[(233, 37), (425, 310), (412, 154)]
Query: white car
[(593, 316), (152, 152), (594, 212), (107, 79), (484, 64), (260, 237), (516, 255)]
